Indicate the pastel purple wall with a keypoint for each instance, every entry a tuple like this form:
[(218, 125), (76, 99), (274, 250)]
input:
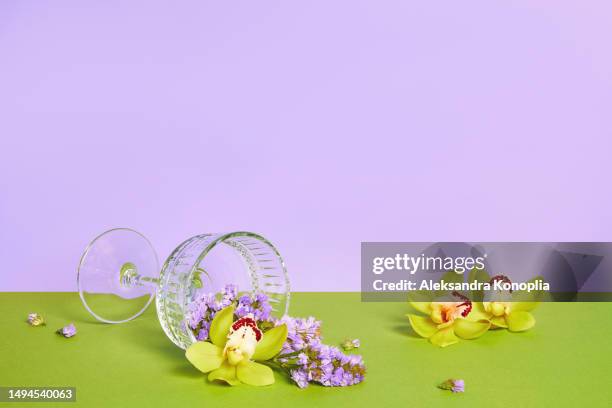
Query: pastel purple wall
[(318, 124)]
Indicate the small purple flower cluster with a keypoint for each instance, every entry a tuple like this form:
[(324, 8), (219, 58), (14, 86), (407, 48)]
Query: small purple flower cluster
[(34, 319), (458, 386), (327, 366), (203, 308), (300, 333), (309, 360), (256, 305), (68, 331), (453, 385)]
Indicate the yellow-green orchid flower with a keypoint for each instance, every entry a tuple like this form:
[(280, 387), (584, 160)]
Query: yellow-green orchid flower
[(234, 347), (510, 310), (445, 322), (514, 316)]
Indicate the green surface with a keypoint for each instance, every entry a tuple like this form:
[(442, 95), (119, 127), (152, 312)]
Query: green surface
[(566, 360)]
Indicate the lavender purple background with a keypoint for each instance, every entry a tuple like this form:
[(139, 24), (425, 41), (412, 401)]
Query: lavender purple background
[(318, 124)]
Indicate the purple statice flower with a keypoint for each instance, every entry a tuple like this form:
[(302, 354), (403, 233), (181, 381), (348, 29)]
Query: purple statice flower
[(228, 296), (242, 311), (197, 313), (202, 333), (261, 315), (211, 302), (203, 308), (302, 359), (327, 366), (337, 378), (201, 311), (296, 341), (245, 300), (68, 331), (300, 377), (261, 297), (453, 385), (458, 386), (315, 361), (310, 328), (300, 332), (354, 360), (349, 344), (34, 319), (256, 305), (244, 306), (230, 291), (262, 308)]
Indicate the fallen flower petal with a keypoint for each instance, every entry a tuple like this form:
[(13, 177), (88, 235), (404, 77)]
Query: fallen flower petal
[(458, 386), (453, 385), (34, 319), (349, 344), (68, 331)]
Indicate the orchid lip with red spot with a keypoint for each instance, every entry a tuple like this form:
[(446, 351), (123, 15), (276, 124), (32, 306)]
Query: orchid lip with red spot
[(247, 322), (466, 302)]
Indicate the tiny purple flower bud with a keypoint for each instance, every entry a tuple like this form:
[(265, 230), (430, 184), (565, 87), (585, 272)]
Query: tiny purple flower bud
[(458, 386), (34, 319), (68, 331)]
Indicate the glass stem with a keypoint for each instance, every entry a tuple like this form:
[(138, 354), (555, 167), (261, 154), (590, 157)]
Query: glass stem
[(145, 280), (129, 276)]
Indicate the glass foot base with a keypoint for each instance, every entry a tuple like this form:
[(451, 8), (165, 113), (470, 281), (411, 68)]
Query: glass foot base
[(117, 275)]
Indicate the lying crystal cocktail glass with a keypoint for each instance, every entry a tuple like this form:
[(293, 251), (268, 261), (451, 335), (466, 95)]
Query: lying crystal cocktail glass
[(118, 276)]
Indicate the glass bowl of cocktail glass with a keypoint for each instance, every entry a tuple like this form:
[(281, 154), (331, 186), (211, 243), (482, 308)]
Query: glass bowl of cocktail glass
[(119, 275)]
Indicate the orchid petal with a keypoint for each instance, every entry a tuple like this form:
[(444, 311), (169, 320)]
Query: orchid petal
[(520, 321), (252, 373), (204, 356), (444, 337), (423, 326), (498, 308), (423, 307), (220, 326), (226, 372), (444, 325), (470, 330), (271, 343), (499, 321), (478, 312)]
